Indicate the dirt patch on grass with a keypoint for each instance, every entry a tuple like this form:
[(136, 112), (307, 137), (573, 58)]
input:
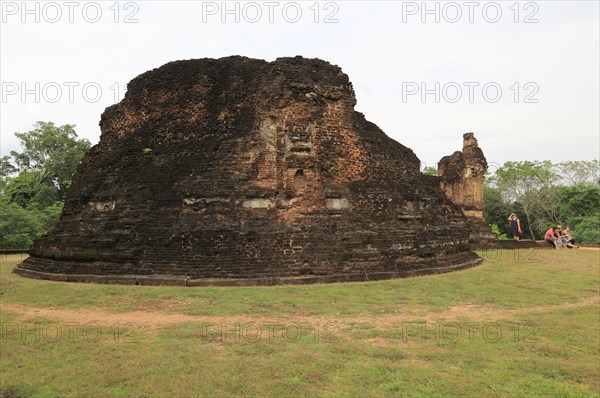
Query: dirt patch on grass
[(489, 313), (105, 317), (157, 319)]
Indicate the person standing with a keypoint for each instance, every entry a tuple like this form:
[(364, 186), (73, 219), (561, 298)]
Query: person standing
[(514, 226)]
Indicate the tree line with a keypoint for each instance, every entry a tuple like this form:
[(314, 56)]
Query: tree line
[(544, 194)]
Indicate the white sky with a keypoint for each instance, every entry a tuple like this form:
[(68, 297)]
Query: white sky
[(381, 53)]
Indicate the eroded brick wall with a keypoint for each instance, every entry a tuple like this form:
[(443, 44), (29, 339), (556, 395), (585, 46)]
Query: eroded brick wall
[(461, 177), (242, 168)]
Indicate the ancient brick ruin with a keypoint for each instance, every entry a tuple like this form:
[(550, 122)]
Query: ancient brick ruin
[(461, 177), (239, 171)]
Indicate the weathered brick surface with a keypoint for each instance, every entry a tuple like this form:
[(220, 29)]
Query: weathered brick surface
[(461, 177), (236, 168)]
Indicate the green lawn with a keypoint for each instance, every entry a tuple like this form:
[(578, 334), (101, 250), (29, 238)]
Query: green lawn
[(522, 324)]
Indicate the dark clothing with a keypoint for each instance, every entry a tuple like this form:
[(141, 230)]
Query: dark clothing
[(514, 228), (565, 240)]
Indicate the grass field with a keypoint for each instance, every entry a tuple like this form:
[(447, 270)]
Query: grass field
[(523, 323)]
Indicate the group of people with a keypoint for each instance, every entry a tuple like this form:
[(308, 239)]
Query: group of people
[(557, 236)]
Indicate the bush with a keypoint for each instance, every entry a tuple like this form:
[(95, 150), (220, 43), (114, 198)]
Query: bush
[(19, 227), (586, 229), (497, 231)]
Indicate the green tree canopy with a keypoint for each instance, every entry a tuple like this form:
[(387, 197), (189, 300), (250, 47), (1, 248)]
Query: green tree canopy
[(579, 172), (529, 185), (53, 151), (546, 194), (431, 171), (34, 182)]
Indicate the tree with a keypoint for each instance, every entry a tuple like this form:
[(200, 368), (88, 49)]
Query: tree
[(18, 227), (23, 189), (578, 200), (52, 151), (430, 171), (31, 193), (495, 209), (547, 194), (529, 186), (579, 207), (6, 168), (587, 228), (578, 172)]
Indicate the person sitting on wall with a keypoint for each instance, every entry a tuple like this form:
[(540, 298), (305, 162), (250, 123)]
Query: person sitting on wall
[(567, 239), (558, 237), (552, 238), (514, 226)]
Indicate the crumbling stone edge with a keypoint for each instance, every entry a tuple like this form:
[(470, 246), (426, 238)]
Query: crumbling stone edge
[(173, 280)]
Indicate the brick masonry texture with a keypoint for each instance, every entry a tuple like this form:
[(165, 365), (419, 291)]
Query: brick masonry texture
[(461, 177), (241, 171)]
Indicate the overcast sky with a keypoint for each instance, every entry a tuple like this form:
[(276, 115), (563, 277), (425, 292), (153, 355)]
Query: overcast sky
[(523, 77)]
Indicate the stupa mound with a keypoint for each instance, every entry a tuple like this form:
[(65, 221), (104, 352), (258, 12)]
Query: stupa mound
[(239, 171)]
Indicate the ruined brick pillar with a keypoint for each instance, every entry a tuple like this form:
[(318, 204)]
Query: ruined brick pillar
[(461, 179)]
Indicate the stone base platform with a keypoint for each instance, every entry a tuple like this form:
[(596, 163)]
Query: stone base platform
[(173, 280)]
